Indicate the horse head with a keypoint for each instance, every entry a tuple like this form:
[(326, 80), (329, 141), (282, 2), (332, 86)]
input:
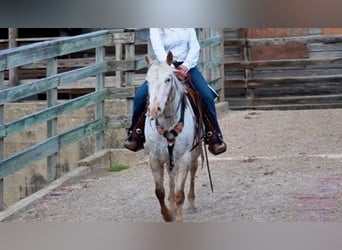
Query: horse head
[(160, 79)]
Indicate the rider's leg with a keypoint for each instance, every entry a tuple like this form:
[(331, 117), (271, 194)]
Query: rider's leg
[(214, 136), (136, 138)]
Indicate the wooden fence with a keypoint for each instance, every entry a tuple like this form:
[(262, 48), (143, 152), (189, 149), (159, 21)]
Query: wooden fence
[(124, 64), (312, 81)]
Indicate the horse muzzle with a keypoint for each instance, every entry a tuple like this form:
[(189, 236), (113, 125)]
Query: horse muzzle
[(154, 112)]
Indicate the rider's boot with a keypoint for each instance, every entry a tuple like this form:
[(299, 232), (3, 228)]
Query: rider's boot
[(136, 138), (215, 142), (212, 137)]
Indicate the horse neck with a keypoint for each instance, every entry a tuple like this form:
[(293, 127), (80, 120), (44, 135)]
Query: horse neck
[(172, 112)]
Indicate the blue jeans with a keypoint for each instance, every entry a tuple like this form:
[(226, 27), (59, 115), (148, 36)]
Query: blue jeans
[(199, 83)]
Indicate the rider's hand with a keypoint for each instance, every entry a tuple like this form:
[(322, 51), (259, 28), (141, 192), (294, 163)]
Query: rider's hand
[(180, 74), (183, 68)]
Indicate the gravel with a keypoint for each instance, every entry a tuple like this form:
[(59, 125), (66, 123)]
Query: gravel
[(279, 166)]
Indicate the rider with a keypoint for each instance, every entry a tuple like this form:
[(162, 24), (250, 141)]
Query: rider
[(183, 44)]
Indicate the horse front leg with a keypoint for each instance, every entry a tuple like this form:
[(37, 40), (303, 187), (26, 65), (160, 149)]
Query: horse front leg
[(172, 196), (158, 175), (180, 197), (179, 190), (191, 194)]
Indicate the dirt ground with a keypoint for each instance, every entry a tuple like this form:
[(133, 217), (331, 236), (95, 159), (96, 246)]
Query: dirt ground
[(280, 166)]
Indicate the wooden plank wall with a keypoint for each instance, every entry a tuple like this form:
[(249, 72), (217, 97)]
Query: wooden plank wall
[(281, 68)]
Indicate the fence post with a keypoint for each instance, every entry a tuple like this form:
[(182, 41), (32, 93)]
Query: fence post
[(130, 56), (247, 58), (205, 54), (221, 70), (12, 43), (130, 75), (218, 51), (1, 143), (118, 57), (203, 57), (99, 107), (52, 160)]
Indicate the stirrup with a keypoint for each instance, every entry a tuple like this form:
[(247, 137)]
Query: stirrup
[(215, 142)]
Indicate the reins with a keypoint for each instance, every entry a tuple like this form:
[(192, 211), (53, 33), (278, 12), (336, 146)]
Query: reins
[(200, 118)]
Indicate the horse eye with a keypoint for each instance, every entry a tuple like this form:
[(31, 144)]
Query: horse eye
[(167, 80)]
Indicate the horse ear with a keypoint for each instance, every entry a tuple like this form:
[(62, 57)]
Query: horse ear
[(169, 58), (148, 60)]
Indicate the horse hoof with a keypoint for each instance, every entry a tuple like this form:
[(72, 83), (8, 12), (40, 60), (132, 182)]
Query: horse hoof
[(167, 215), (168, 218)]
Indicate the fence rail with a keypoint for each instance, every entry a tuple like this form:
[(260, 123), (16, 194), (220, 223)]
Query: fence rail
[(49, 51), (46, 55)]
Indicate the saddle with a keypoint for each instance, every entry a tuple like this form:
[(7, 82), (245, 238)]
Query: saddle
[(201, 112)]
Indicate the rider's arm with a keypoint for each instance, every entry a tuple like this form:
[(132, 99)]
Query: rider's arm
[(157, 44), (194, 50)]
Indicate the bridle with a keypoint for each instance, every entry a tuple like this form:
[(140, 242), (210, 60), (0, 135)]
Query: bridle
[(172, 133)]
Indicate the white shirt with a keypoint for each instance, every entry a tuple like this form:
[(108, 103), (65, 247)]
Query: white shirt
[(182, 42)]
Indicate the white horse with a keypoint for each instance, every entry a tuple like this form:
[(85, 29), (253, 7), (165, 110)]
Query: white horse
[(170, 131)]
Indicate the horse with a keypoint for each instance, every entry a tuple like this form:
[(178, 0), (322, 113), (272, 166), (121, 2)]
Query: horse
[(170, 131)]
